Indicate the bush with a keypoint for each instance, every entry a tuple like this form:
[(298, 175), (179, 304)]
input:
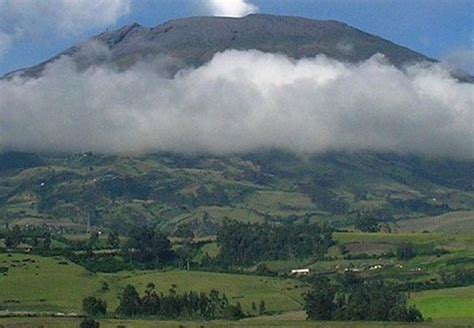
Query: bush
[(94, 306), (89, 323), (405, 252)]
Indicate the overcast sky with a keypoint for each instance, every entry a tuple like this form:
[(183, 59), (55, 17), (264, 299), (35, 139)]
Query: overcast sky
[(32, 31)]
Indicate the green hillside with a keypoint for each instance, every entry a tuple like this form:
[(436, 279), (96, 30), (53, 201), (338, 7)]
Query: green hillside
[(34, 283), (168, 190)]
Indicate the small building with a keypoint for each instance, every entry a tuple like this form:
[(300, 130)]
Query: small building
[(300, 272)]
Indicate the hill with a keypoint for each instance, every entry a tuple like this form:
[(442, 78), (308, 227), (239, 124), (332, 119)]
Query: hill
[(199, 192)]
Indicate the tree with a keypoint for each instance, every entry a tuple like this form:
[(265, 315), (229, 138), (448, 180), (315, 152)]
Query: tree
[(89, 323), (47, 242), (184, 232), (147, 246), (113, 240), (405, 252), (245, 243), (130, 303), (233, 312), (6, 217), (93, 306), (366, 222), (320, 301), (356, 300), (93, 239), (13, 237), (261, 307), (105, 287)]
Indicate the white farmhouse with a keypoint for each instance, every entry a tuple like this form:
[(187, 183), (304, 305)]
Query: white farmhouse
[(300, 272)]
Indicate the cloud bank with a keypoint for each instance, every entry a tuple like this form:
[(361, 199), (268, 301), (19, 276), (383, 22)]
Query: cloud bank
[(231, 8), (22, 19), (239, 102)]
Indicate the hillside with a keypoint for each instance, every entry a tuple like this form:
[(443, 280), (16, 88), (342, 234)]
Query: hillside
[(170, 190), (193, 41)]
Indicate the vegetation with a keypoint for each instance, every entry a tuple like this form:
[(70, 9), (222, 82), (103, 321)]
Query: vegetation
[(79, 232), (145, 245), (356, 300), (189, 305), (93, 306), (89, 323), (166, 191), (243, 244)]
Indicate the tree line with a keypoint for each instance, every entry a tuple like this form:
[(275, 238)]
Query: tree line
[(174, 306), (353, 299), (245, 243)]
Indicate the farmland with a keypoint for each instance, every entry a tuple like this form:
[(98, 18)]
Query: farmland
[(189, 199), (54, 284)]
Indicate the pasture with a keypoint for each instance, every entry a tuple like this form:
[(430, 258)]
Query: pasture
[(34, 283)]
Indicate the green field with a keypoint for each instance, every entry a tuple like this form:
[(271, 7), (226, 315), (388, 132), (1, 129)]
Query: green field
[(52, 284), (452, 303), (48, 285), (279, 295), (45, 284), (461, 222)]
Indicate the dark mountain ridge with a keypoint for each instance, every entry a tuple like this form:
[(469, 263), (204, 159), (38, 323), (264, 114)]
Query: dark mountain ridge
[(194, 41)]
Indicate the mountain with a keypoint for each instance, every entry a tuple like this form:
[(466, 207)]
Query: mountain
[(193, 41), (171, 190)]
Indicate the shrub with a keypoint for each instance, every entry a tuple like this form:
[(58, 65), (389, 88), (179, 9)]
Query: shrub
[(89, 323)]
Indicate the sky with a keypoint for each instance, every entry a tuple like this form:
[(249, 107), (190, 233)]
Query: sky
[(32, 31)]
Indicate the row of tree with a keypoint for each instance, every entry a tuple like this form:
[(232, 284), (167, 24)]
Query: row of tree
[(353, 299), (37, 237), (244, 243), (175, 306)]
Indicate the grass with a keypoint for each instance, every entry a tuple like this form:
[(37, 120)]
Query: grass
[(458, 242), (210, 249), (452, 303), (36, 283), (279, 295), (277, 203), (461, 222), (45, 284)]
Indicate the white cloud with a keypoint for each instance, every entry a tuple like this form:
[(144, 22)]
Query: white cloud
[(231, 8), (240, 101), (38, 19)]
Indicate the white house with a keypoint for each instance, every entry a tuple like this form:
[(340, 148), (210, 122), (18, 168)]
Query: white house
[(300, 272)]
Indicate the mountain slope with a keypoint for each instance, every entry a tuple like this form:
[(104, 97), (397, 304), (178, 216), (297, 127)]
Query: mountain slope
[(193, 41), (201, 191)]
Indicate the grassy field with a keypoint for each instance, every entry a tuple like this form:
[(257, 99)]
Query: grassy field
[(461, 222), (35, 283), (279, 295), (452, 303)]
